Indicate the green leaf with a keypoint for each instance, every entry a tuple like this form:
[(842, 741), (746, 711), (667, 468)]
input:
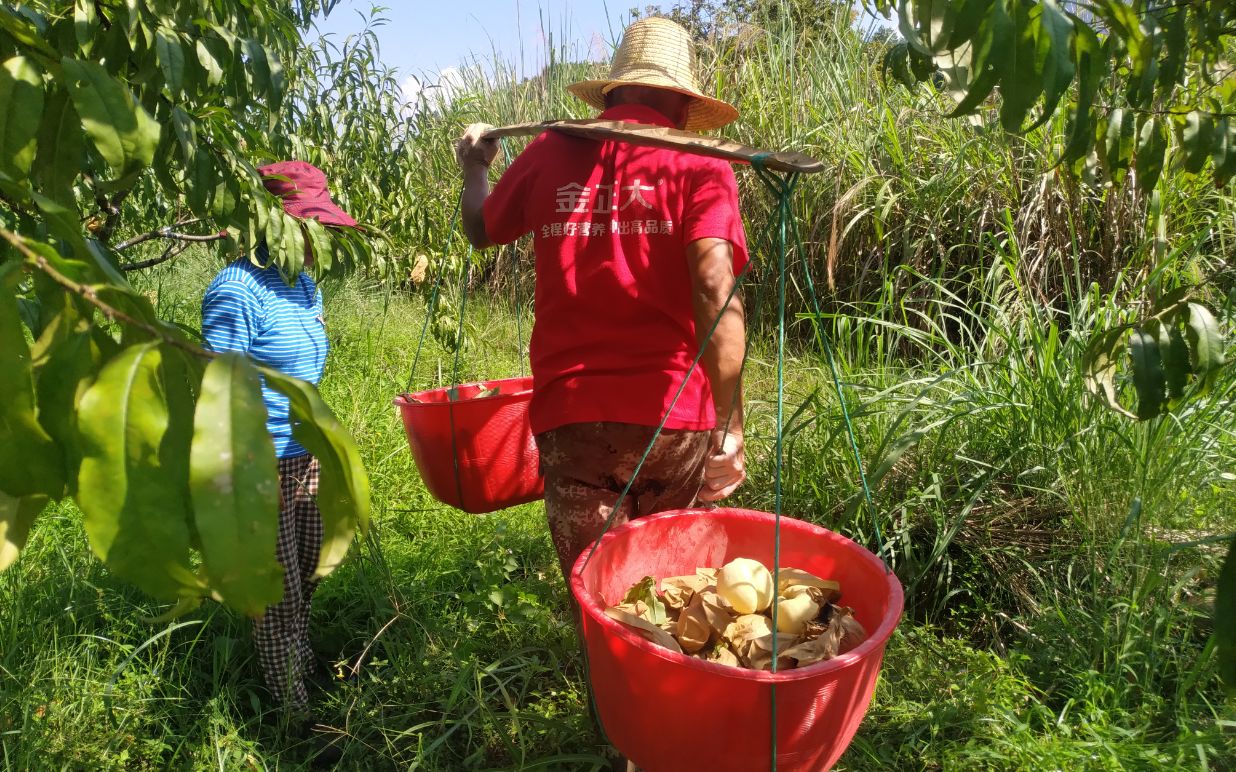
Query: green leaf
[(1055, 38), (1148, 377), (319, 240), (1117, 142), (171, 57), (896, 62), (135, 505), (200, 183), (234, 480), (85, 24), (16, 517), (1223, 154), (292, 258), (22, 29), (1151, 146), (994, 37), (1099, 365), (645, 591), (1205, 340), (21, 94), (30, 462), (1021, 79), (1176, 45), (1225, 617), (226, 198), (343, 491), (969, 15), (67, 373), (62, 148), (1176, 368), (1196, 139), (120, 129), (210, 64), (1090, 69), (258, 70)]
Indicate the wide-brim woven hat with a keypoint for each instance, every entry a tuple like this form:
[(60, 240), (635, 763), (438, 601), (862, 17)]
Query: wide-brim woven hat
[(658, 52), (302, 186)]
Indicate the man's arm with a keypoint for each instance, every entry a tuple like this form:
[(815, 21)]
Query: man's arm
[(474, 156), (711, 266)]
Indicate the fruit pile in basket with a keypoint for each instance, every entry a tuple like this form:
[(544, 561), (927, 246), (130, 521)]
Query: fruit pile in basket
[(726, 615)]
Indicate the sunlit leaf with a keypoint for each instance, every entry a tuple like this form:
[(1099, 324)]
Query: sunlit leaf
[(171, 58), (234, 481), (136, 512), (120, 129), (1100, 362), (1196, 139), (30, 463), (343, 490), (21, 94), (1205, 340), (16, 517)]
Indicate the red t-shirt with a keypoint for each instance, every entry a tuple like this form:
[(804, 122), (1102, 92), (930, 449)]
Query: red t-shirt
[(614, 333)]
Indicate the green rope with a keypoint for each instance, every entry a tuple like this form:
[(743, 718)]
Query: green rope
[(450, 402), (845, 410), (613, 515), (433, 299), (783, 190)]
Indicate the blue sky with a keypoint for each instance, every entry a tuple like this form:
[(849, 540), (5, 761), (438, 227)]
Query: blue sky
[(423, 39)]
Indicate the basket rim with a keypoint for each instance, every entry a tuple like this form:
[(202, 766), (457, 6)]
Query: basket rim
[(409, 398), (877, 639)]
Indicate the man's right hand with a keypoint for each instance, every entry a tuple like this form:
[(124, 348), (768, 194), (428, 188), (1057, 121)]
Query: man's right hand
[(473, 150), (725, 468)]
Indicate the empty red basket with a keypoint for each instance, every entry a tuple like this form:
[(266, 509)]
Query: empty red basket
[(667, 711), (475, 454)]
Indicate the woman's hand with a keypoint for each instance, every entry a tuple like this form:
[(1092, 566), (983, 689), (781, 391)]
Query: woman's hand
[(725, 468)]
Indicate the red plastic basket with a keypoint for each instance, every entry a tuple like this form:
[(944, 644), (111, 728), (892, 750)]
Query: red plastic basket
[(494, 463), (667, 711)]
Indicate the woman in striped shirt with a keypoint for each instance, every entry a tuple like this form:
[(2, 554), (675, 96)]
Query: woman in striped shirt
[(251, 308)]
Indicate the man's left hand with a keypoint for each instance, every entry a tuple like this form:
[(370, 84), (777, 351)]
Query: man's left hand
[(725, 468)]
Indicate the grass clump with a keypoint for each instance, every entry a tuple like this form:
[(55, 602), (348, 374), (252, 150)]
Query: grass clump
[(1050, 622)]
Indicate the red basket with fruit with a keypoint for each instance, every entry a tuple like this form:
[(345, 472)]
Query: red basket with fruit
[(473, 444), (649, 696)]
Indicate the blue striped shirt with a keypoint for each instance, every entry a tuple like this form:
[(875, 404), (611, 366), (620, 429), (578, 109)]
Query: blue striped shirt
[(253, 310)]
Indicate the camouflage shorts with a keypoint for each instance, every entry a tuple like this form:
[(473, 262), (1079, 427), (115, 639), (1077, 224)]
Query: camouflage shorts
[(587, 465)]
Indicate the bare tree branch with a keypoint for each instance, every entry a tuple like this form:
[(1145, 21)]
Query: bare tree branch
[(170, 232), (35, 261), (173, 249)]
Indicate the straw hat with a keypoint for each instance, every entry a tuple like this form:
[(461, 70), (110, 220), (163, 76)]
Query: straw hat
[(658, 52)]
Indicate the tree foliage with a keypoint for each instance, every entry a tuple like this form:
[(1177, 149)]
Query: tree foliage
[(117, 113), (1147, 83), (1132, 74)]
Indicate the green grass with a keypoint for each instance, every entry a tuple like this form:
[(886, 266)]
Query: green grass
[(1051, 620)]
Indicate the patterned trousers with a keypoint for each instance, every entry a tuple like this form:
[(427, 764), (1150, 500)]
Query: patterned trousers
[(587, 465), (281, 635)]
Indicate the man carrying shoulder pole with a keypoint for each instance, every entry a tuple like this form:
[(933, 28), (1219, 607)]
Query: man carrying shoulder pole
[(637, 249)]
